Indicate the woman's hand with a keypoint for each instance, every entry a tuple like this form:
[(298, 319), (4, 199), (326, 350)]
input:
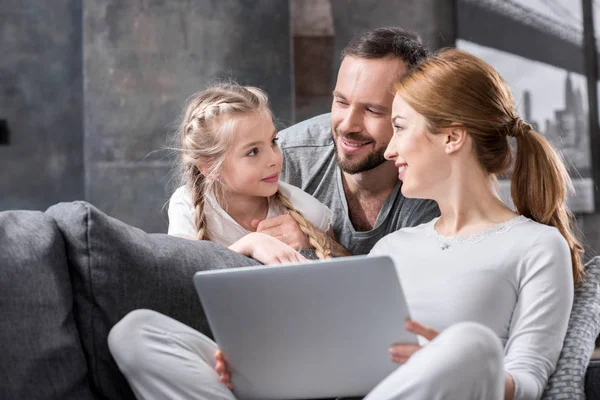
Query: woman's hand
[(223, 369), (266, 249), (400, 353)]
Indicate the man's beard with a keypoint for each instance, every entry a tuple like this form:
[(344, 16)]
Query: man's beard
[(373, 160)]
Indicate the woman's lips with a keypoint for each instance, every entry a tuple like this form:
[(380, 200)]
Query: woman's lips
[(401, 170)]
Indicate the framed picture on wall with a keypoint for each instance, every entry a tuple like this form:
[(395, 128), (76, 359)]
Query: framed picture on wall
[(537, 46)]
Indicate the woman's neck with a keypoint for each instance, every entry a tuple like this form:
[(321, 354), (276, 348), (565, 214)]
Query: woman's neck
[(471, 204), (243, 208)]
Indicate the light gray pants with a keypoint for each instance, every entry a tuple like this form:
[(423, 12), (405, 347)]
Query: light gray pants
[(165, 359)]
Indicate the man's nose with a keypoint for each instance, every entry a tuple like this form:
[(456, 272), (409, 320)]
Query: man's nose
[(352, 121)]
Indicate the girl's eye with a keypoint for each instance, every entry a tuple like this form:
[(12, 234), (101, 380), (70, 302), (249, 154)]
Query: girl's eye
[(252, 152), (274, 141)]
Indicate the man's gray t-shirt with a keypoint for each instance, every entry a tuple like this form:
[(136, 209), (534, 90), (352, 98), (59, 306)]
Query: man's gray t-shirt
[(310, 163)]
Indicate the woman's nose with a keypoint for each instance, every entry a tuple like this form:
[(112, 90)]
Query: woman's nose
[(390, 152)]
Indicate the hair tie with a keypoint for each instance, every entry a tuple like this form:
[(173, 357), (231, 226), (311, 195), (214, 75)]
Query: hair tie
[(518, 127)]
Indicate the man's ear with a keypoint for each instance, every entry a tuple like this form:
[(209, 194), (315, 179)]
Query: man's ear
[(454, 138)]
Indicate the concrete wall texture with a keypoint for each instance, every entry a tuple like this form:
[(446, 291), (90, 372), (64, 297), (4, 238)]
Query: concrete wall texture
[(41, 102), (141, 61)]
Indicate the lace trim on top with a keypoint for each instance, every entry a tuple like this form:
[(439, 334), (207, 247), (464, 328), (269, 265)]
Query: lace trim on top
[(447, 241)]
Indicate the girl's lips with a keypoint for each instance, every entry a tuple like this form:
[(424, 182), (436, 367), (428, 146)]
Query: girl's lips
[(271, 179)]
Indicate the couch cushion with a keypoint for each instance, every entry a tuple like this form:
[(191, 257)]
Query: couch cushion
[(568, 381), (117, 268), (41, 355)]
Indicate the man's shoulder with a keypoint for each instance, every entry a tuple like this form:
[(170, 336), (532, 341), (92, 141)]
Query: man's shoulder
[(313, 132)]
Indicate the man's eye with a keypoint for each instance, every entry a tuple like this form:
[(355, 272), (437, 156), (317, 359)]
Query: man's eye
[(252, 152), (372, 111), (274, 141), (341, 102)]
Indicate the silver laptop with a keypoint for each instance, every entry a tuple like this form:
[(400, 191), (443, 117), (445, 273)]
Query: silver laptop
[(308, 330)]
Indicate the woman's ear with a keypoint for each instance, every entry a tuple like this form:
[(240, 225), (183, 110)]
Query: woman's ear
[(455, 138)]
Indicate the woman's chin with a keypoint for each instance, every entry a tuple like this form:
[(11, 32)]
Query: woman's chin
[(408, 191)]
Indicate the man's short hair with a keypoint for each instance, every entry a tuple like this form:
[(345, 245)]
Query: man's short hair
[(386, 42)]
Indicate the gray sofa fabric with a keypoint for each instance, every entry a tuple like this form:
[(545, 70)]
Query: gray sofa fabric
[(116, 268), (568, 380), (70, 274), (40, 353)]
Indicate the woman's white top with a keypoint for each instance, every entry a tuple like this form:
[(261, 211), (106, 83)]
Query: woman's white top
[(516, 278), (225, 230)]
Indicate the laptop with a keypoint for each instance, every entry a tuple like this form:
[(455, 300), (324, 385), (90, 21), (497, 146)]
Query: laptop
[(308, 330)]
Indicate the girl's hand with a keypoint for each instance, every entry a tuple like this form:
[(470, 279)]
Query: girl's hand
[(400, 353), (266, 249), (223, 369)]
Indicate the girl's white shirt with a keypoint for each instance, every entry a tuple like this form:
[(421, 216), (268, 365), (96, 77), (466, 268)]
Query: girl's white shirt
[(225, 230)]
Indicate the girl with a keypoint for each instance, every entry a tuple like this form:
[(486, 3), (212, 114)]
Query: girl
[(231, 165)]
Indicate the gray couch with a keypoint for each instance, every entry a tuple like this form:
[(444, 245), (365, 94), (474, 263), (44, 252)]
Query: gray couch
[(69, 274)]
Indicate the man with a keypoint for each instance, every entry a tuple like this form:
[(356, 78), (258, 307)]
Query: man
[(338, 157)]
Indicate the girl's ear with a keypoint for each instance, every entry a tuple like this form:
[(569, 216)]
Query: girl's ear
[(203, 169), (455, 138)]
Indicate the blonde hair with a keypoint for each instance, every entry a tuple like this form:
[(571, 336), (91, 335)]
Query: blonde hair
[(456, 87), (205, 137)]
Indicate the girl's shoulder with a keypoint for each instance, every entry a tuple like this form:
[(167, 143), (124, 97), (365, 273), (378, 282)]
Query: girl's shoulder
[(181, 193)]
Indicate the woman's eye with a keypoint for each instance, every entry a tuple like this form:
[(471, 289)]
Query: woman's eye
[(398, 128), (274, 141), (252, 152)]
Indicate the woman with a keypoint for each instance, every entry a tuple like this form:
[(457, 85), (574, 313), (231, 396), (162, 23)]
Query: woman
[(511, 272), (490, 287)]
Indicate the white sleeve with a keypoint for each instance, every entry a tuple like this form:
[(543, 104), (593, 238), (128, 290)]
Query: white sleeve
[(312, 209), (181, 217), (541, 315)]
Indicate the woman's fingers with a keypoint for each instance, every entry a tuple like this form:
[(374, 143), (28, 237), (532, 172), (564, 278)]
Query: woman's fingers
[(420, 329), (403, 350), (220, 367), (225, 378), (400, 353)]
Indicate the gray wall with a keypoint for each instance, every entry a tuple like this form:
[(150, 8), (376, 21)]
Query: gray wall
[(103, 99), (433, 20), (140, 64), (41, 100)]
